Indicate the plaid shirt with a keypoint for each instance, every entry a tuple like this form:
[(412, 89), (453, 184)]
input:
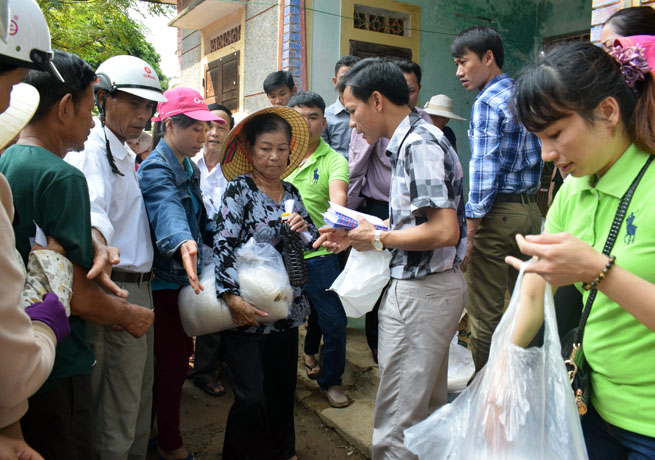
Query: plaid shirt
[(505, 157), (425, 173)]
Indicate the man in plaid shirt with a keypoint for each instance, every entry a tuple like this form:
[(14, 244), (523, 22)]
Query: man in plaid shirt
[(420, 310), (505, 171)]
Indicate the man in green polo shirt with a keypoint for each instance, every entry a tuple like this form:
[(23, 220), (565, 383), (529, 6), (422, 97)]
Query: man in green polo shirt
[(52, 194), (322, 176)]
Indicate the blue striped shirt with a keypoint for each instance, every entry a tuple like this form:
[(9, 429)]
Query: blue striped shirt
[(505, 157)]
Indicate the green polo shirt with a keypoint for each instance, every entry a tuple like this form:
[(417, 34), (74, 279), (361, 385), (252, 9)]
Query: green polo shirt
[(54, 195), (313, 182), (619, 349)]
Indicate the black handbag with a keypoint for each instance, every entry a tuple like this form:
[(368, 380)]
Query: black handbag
[(572, 352), (293, 256)]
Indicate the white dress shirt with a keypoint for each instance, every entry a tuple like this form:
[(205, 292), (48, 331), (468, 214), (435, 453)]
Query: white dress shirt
[(212, 185), (117, 208)]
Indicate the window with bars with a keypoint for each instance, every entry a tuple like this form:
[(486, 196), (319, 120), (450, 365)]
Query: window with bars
[(381, 20)]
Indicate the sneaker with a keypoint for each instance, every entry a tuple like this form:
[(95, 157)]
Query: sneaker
[(336, 397)]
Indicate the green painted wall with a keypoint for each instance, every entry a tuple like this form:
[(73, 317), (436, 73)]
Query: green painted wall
[(522, 24)]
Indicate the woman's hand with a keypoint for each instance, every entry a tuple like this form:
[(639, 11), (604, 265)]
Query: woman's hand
[(189, 255), (297, 223), (242, 312), (16, 449), (362, 236), (561, 258), (333, 239)]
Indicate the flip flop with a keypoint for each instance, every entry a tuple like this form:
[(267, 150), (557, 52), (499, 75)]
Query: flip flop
[(211, 388), (309, 369)]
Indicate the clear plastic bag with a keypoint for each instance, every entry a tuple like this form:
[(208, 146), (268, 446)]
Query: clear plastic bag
[(519, 406), (460, 366), (263, 279), (263, 282)]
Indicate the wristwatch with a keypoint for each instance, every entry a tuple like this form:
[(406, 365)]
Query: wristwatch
[(377, 244)]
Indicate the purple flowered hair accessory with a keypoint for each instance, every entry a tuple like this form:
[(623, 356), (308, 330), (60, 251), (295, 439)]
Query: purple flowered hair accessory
[(633, 62)]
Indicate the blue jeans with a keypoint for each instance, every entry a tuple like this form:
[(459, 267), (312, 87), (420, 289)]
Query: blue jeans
[(321, 273), (608, 442)]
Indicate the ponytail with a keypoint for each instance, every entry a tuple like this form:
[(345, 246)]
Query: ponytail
[(644, 116)]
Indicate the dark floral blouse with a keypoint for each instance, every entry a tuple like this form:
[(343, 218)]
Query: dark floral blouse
[(248, 212)]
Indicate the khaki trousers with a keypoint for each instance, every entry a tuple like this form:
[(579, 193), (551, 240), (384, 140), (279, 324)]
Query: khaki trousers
[(488, 276), (417, 320), (121, 382)]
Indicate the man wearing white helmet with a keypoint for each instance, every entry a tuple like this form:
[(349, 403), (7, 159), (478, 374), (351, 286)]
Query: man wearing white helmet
[(126, 93)]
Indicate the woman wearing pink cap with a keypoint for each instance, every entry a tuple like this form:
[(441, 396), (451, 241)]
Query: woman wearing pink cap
[(170, 183), (593, 112)]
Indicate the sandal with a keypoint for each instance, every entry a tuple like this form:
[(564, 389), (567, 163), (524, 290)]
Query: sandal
[(314, 371), (213, 388)]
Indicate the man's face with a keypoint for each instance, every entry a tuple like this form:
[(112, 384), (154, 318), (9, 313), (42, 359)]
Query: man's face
[(315, 121), (414, 88), (335, 80), (364, 116), (82, 121), (473, 72), (217, 133), (281, 95), (127, 114), (7, 82)]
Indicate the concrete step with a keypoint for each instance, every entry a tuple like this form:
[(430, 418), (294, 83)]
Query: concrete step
[(360, 382)]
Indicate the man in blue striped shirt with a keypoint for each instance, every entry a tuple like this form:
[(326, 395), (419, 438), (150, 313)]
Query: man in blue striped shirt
[(505, 171)]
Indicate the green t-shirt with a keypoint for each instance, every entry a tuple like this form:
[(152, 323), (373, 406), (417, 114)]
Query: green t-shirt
[(313, 182), (619, 349), (54, 195)]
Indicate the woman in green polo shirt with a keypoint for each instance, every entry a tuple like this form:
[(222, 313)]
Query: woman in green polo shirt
[(593, 112)]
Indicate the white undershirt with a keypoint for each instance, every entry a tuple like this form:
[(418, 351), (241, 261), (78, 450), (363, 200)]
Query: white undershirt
[(117, 208)]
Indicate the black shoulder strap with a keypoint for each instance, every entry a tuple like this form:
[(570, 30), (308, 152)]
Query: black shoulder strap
[(609, 243)]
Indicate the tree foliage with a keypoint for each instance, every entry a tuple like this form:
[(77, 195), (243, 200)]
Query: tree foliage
[(96, 30)]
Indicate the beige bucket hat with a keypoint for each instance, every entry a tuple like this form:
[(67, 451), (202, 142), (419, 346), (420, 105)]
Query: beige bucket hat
[(441, 106)]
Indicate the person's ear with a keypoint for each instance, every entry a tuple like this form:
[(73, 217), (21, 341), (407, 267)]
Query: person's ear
[(324, 124), (294, 91), (377, 100), (488, 58), (609, 111), (334, 81), (65, 107)]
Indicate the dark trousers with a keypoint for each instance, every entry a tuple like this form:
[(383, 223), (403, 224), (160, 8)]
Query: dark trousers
[(608, 442), (379, 209), (207, 356), (58, 423), (172, 350), (262, 370)]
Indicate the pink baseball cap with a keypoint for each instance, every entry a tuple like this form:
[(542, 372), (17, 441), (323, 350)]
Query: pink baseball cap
[(188, 102)]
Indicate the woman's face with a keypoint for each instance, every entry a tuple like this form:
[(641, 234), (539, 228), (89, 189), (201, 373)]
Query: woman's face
[(578, 147), (186, 141), (270, 154), (607, 36)]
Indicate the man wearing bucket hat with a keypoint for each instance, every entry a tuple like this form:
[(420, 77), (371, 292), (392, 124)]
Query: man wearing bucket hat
[(126, 92), (440, 109)]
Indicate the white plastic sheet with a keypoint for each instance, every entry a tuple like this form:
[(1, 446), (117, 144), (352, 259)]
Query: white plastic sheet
[(460, 366), (263, 282), (361, 282), (520, 406)]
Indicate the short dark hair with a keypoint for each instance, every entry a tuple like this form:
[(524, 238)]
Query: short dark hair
[(266, 123), (479, 39), (276, 79), (376, 74), (308, 99), (78, 76), (638, 20), (222, 108), (410, 67), (575, 78), (345, 61)]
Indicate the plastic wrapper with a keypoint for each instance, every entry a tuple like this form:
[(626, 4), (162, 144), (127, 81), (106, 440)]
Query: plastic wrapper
[(361, 282), (519, 406), (460, 366), (263, 282)]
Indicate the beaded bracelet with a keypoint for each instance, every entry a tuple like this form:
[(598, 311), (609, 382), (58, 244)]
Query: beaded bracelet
[(601, 276)]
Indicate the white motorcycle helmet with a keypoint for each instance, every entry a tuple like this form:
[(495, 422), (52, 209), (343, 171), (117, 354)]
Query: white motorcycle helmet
[(129, 74), (28, 37)]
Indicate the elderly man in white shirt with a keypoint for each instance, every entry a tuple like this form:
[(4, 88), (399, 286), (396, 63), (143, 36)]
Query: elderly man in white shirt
[(212, 183), (126, 93)]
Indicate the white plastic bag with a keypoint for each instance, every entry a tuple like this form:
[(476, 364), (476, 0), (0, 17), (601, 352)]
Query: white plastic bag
[(519, 406), (361, 282), (263, 282), (263, 279), (460, 366)]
